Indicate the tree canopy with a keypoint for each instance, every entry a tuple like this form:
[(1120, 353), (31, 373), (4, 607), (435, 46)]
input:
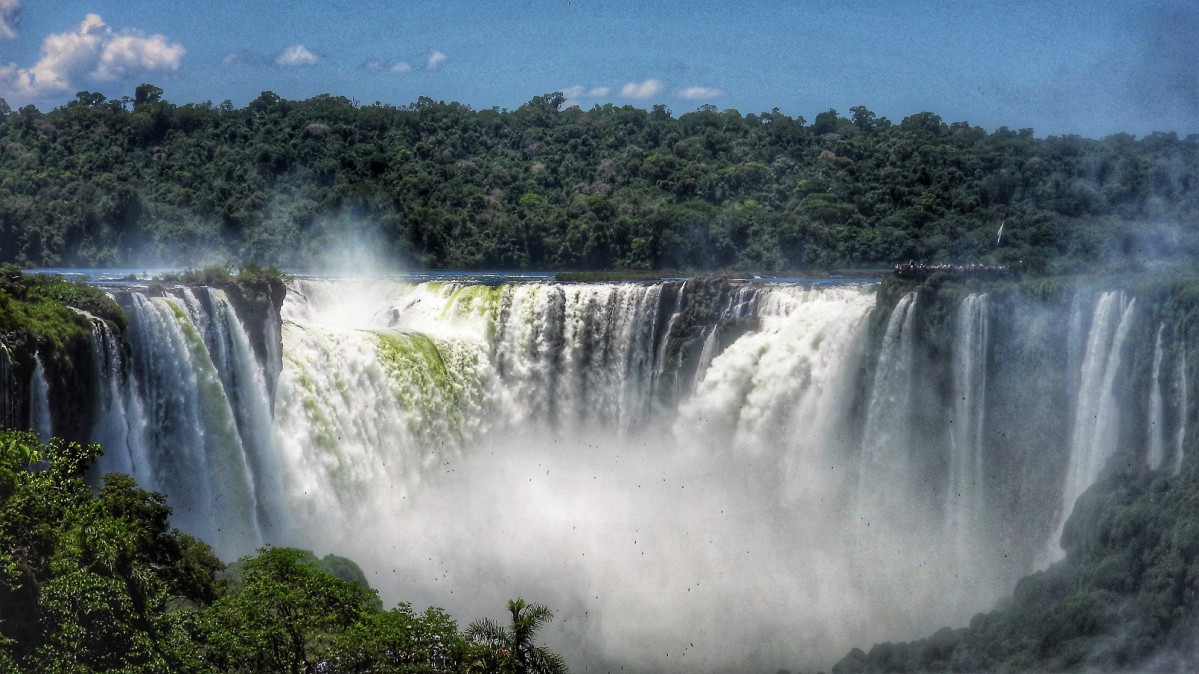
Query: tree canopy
[(119, 182)]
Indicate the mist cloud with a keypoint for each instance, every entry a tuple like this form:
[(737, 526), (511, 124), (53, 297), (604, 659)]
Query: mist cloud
[(93, 50)]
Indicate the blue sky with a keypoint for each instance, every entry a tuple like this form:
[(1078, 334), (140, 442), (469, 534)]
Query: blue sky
[(1089, 68)]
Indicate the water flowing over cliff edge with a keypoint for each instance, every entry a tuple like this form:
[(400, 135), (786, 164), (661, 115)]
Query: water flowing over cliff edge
[(699, 475)]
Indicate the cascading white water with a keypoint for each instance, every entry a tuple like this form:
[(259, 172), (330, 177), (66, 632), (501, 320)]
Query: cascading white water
[(517, 410), (1096, 424), (180, 435), (120, 426), (966, 503), (900, 512), (1076, 339), (1182, 391), (244, 384), (782, 392), (668, 474), (8, 401), (39, 400), (1156, 432), (674, 316), (710, 336), (888, 426)]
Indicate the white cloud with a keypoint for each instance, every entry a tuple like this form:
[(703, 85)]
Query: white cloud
[(435, 60), (380, 67), (296, 55), (579, 91), (9, 18), (697, 93), (573, 94), (93, 50), (645, 89), (125, 55)]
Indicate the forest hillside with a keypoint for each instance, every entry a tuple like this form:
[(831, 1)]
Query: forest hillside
[(143, 181)]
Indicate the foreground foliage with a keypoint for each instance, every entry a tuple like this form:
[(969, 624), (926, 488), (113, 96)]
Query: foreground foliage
[(511, 649), (92, 581), (111, 182), (96, 580)]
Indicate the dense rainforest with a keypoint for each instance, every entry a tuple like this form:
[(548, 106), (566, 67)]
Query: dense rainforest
[(141, 180)]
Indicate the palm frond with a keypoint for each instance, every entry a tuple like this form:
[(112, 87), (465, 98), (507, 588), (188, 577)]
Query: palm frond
[(487, 631)]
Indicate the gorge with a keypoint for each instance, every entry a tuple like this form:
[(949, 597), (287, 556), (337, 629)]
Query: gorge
[(699, 475)]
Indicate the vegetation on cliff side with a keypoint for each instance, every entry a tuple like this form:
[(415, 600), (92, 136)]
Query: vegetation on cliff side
[(41, 322), (41, 306), (1126, 597)]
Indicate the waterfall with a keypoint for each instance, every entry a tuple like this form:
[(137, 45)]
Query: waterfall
[(188, 427), (1096, 421), (39, 401), (8, 384), (783, 390), (1156, 433), (1076, 339), (244, 383), (687, 449), (121, 423), (675, 313), (705, 355), (886, 441), (966, 503), (1184, 409)]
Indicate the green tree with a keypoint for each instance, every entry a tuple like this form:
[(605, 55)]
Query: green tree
[(92, 581), (511, 649), (863, 118), (401, 640), (146, 93), (283, 613)]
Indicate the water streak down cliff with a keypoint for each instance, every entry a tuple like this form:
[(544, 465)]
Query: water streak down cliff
[(675, 466)]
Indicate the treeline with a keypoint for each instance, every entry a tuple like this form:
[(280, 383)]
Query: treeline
[(96, 580), (142, 180)]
